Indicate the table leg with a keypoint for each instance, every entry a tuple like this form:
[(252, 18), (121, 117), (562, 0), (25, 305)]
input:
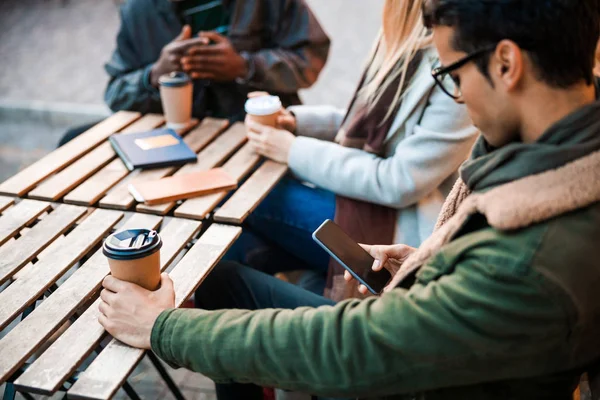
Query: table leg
[(165, 375), (9, 391), (130, 391), (27, 396), (28, 311)]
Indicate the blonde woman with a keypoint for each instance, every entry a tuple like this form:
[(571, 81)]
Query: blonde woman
[(382, 168)]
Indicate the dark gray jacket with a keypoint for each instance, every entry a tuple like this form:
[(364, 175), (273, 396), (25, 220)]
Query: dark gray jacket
[(281, 38)]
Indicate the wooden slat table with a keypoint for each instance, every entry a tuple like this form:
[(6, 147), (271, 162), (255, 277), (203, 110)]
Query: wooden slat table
[(55, 214), (25, 180), (252, 192), (108, 372), (87, 172), (61, 183), (71, 234)]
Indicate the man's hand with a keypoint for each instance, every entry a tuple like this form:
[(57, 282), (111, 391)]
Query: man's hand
[(272, 143), (218, 61), (390, 257), (128, 311), (170, 55)]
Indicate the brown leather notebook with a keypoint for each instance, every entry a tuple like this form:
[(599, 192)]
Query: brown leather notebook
[(181, 187)]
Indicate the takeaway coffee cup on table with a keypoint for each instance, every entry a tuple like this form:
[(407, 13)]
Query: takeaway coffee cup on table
[(264, 109), (134, 256), (176, 92)]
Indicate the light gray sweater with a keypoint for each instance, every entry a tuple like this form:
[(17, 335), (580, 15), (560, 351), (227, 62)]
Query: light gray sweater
[(429, 139)]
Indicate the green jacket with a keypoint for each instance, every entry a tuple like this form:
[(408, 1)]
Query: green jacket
[(495, 314)]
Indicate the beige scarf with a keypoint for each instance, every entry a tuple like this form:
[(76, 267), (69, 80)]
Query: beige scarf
[(514, 205)]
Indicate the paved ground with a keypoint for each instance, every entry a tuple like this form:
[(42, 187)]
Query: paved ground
[(54, 50), (51, 58)]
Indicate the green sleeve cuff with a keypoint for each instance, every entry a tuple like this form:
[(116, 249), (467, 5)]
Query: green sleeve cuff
[(160, 338)]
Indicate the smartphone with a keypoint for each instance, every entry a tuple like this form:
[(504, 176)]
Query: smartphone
[(201, 15), (351, 256)]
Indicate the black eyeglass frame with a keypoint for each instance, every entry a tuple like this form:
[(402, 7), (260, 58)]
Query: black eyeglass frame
[(440, 71)]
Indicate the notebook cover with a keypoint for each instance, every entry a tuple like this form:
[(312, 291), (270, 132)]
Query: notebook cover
[(181, 187), (152, 149)]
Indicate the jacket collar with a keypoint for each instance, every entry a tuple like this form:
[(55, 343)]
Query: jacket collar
[(516, 205), (570, 138)]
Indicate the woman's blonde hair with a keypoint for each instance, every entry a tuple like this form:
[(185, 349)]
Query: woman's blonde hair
[(402, 35)]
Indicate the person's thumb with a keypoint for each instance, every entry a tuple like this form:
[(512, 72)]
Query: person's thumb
[(379, 262), (186, 33), (212, 36), (166, 283)]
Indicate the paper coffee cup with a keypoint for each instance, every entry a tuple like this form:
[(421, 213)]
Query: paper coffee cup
[(176, 93), (134, 256), (264, 109)]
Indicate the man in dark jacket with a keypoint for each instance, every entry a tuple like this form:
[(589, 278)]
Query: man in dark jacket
[(228, 47)]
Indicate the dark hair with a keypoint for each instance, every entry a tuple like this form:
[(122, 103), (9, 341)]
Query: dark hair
[(560, 36)]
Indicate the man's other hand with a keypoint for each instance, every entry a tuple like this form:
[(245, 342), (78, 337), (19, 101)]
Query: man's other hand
[(218, 61), (170, 56), (128, 311)]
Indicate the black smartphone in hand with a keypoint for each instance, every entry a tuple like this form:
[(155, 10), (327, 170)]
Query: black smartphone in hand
[(351, 256)]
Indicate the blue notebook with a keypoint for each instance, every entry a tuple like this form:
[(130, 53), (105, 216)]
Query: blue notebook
[(153, 149)]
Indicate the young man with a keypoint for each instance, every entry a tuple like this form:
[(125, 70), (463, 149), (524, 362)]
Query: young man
[(504, 303), (229, 48)]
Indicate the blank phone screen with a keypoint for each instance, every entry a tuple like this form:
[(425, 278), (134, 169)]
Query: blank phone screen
[(353, 257)]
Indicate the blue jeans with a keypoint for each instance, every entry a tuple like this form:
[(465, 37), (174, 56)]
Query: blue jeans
[(277, 236), (231, 285)]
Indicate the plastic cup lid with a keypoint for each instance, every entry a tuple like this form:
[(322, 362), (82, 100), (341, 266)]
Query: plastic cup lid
[(131, 244), (174, 79), (263, 105)]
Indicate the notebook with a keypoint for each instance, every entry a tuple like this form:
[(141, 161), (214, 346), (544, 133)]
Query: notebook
[(153, 149), (181, 187)]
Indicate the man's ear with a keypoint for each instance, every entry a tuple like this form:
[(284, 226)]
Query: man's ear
[(508, 64)]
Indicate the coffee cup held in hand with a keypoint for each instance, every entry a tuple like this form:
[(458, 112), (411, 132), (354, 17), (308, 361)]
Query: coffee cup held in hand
[(134, 256), (264, 109), (176, 92)]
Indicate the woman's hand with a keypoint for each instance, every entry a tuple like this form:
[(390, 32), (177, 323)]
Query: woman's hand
[(128, 311), (270, 142), (287, 121), (388, 257)]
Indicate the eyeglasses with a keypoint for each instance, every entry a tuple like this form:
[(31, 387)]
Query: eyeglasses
[(443, 75)]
